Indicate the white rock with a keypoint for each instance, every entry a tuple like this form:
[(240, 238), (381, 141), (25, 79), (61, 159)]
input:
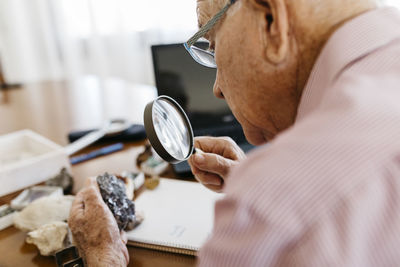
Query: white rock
[(49, 238), (43, 211)]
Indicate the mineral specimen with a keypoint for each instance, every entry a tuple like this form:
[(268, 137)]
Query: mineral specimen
[(6, 216), (136, 177), (154, 166), (63, 180), (31, 194), (142, 157), (152, 183), (129, 186), (49, 238), (113, 193), (5, 210), (42, 211)]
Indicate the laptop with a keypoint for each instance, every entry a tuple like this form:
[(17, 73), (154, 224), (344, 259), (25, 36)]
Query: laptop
[(177, 75)]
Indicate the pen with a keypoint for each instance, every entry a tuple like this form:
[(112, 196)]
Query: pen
[(96, 153)]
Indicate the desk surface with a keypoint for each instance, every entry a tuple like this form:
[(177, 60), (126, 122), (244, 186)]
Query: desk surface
[(53, 109)]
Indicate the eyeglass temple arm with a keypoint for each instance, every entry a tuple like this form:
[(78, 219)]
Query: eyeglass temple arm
[(203, 30)]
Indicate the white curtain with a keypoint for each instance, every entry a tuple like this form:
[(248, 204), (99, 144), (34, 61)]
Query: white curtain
[(395, 3), (61, 39)]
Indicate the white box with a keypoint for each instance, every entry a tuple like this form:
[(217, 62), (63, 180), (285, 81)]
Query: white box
[(27, 158)]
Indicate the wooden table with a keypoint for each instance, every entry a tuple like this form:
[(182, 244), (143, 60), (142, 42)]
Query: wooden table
[(52, 109)]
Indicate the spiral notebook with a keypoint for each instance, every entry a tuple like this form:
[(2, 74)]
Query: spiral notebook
[(179, 217)]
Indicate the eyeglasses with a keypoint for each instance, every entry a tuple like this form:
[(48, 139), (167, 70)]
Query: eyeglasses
[(204, 57)]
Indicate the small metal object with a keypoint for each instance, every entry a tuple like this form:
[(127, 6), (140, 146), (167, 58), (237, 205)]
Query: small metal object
[(74, 263), (69, 257)]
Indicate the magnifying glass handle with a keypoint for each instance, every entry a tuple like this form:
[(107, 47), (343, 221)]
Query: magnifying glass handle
[(85, 141)]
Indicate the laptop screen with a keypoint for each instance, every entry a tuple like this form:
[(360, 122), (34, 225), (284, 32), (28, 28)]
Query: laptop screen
[(191, 85)]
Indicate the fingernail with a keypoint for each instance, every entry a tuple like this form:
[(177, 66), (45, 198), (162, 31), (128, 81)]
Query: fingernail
[(199, 158)]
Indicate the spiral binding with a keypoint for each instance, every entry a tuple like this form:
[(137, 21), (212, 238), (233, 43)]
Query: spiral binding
[(167, 247)]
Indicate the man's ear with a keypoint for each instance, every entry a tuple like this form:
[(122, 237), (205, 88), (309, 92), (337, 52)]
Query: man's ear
[(275, 28)]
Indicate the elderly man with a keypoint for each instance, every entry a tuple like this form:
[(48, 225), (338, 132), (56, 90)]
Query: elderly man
[(320, 80)]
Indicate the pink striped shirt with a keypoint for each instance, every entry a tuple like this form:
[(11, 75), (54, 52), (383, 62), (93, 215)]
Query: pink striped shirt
[(326, 192)]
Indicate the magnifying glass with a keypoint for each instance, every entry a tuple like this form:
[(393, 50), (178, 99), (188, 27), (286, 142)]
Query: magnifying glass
[(168, 129), (111, 127)]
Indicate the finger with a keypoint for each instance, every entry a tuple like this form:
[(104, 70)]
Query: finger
[(91, 186), (213, 163), (223, 146), (92, 198), (215, 188), (77, 210), (126, 254), (95, 207), (124, 237), (77, 205), (91, 181), (204, 177), (191, 162), (207, 178)]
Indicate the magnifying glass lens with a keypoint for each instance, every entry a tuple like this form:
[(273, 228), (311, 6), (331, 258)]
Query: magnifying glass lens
[(169, 130)]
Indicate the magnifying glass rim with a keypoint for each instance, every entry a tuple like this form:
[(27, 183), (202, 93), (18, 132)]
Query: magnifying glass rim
[(152, 135)]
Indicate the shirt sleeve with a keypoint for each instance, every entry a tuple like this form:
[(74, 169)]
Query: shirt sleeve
[(361, 229), (241, 237)]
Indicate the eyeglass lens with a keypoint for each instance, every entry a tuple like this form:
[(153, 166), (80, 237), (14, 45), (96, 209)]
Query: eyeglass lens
[(203, 57)]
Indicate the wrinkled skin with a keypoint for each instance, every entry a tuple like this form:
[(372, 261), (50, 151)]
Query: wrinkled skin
[(211, 168), (95, 230)]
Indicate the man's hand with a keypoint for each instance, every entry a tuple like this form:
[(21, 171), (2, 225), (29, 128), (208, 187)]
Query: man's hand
[(95, 230), (214, 158)]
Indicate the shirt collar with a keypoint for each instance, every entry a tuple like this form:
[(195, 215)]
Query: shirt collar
[(354, 40)]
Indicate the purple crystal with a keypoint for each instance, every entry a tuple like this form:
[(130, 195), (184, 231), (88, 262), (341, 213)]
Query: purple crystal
[(113, 193)]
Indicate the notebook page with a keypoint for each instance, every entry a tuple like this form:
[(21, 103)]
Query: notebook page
[(177, 214)]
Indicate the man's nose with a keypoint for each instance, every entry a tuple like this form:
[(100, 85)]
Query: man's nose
[(217, 90)]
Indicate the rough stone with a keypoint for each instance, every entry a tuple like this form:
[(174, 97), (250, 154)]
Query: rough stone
[(43, 211), (145, 155), (152, 183), (113, 193), (63, 180), (49, 238), (129, 186)]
